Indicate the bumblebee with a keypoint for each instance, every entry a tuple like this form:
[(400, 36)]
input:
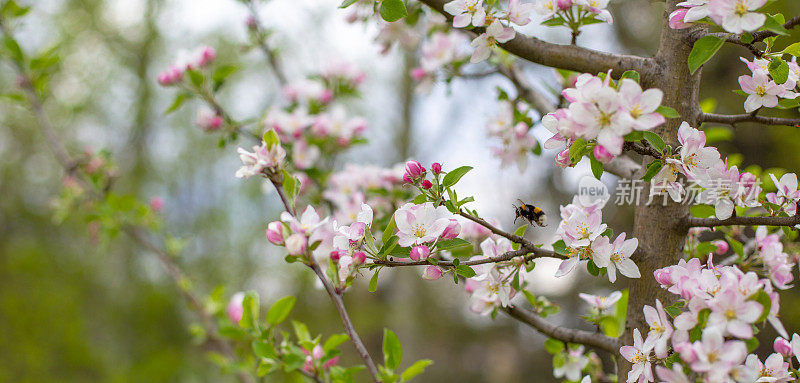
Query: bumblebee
[(531, 213)]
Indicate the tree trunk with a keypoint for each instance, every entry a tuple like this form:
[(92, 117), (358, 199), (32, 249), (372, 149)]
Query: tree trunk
[(657, 226)]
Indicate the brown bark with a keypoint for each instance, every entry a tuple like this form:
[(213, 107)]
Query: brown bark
[(658, 227)]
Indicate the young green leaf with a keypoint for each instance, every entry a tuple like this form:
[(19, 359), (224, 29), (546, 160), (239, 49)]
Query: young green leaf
[(774, 24), (779, 70), (280, 310), (373, 282), (452, 177), (465, 271), (655, 140), (392, 349), (417, 368), (668, 112), (704, 49), (597, 167), (652, 170), (553, 346), (250, 306), (393, 10)]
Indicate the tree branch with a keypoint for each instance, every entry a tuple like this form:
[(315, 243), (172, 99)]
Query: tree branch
[(733, 119), (568, 57), (644, 148), (743, 221), (600, 341), (757, 36), (623, 167), (260, 31)]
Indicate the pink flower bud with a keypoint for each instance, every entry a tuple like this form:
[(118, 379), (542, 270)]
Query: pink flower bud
[(601, 154), (427, 184), (275, 233), (318, 352), (564, 4), (251, 23), (419, 253), (157, 203), (418, 74), (326, 96), (414, 169), (171, 76), (359, 257), (207, 56), (432, 273), (436, 168), (676, 19), (783, 347), (407, 178), (663, 276), (208, 120), (296, 244), (687, 351), (452, 230), (235, 310), (722, 246), (562, 159), (330, 363)]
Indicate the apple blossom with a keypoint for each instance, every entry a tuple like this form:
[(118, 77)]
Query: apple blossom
[(737, 16), (601, 303), (495, 33), (157, 204), (696, 158), (296, 244), (598, 7), (466, 12), (733, 314), (660, 329), (639, 356), (675, 375), (783, 347), (774, 369), (641, 105), (519, 13), (787, 195), (275, 233), (263, 157), (432, 273), (716, 356), (574, 363), (617, 256), (722, 246), (420, 224), (762, 92)]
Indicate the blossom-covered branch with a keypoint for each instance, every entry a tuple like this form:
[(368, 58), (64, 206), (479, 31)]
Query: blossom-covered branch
[(564, 334), (743, 221), (734, 119), (569, 57)]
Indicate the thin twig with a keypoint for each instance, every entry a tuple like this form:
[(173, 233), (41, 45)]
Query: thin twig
[(277, 69), (743, 221), (529, 253), (733, 119), (568, 335)]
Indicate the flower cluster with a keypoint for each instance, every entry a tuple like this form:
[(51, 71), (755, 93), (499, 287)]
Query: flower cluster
[(762, 90), (582, 232), (604, 113), (491, 287), (769, 253), (265, 157), (195, 60), (573, 13), (735, 16), (787, 196), (441, 49), (722, 304), (512, 127), (355, 185), (498, 23)]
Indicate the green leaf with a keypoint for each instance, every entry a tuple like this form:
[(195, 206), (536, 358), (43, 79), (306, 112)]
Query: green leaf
[(335, 341), (13, 49), (393, 10), (196, 78), (465, 271), (609, 326), (560, 247), (631, 74), (452, 177), (266, 366), (597, 167), (578, 149), (291, 186), (703, 50), (221, 74), (271, 138), (263, 349), (347, 3), (301, 331), (668, 112), (747, 38), (652, 170), (793, 50), (280, 310), (775, 25), (702, 211), (417, 368), (452, 244), (392, 349), (674, 309), (11, 10), (554, 22), (250, 313), (180, 98), (779, 70), (373, 282), (655, 140), (520, 232), (553, 346)]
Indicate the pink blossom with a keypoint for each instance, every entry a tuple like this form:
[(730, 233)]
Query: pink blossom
[(171, 76), (296, 244), (601, 303), (676, 19), (722, 246), (762, 91), (304, 156), (639, 356), (234, 310), (427, 184), (617, 256), (275, 233), (737, 16), (574, 363), (419, 253), (783, 347), (452, 230), (414, 170), (641, 105), (208, 120), (432, 273), (157, 204), (436, 168), (519, 13), (495, 33), (675, 375), (787, 195), (466, 12), (419, 224), (601, 154), (716, 356), (262, 157), (660, 329), (774, 369)]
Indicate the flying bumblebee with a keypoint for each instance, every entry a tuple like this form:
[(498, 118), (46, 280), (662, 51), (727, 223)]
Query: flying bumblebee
[(531, 213)]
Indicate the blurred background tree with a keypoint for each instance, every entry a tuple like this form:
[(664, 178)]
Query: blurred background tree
[(75, 310)]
